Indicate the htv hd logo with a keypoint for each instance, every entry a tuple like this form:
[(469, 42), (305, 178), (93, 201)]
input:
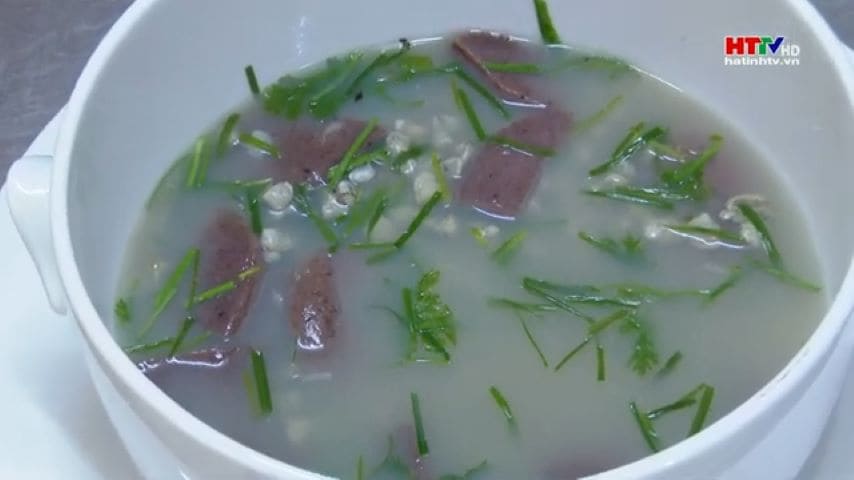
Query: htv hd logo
[(759, 45)]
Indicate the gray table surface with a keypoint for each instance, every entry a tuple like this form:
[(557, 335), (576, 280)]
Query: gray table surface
[(45, 43)]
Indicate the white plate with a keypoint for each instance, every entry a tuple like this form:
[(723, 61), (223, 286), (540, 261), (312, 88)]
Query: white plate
[(52, 424)]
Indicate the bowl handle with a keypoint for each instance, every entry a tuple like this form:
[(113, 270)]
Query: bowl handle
[(28, 197)]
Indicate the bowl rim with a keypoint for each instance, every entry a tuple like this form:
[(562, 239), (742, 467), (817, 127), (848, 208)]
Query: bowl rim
[(809, 357)]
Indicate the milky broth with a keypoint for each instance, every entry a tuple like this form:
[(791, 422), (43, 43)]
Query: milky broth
[(327, 413)]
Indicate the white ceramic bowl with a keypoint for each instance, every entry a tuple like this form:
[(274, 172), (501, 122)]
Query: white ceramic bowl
[(168, 67)]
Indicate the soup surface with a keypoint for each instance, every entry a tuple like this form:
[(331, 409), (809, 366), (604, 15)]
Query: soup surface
[(467, 257)]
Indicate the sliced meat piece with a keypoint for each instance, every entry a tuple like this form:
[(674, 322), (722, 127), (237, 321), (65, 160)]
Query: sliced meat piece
[(310, 148), (500, 179), (314, 303), (229, 247), (479, 47)]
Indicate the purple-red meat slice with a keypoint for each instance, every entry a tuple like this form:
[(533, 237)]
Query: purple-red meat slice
[(479, 48), (310, 148), (229, 248), (314, 303), (500, 178)]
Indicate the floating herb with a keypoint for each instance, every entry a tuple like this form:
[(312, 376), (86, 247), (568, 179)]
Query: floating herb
[(629, 246), (441, 179), (303, 204), (597, 117), (416, 222), (259, 144), (533, 150), (148, 347), (322, 91), (670, 364), (364, 211), (168, 291), (764, 234), (503, 405), (461, 99), (634, 140), (707, 394), (735, 274), (262, 387), (533, 342), (122, 311), (786, 277), (224, 139), (254, 208), (544, 20), (411, 153), (384, 58), (182, 334), (420, 439), (636, 195), (688, 176), (252, 80), (650, 436), (469, 474), (337, 173), (430, 321), (522, 306), (644, 356), (600, 363), (198, 164), (194, 281), (333, 94), (360, 468), (479, 235), (227, 286), (505, 252), (479, 88)]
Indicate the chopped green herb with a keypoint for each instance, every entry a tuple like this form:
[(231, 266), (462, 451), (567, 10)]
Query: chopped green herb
[(508, 67), (421, 440), (644, 355), (333, 95), (479, 235), (238, 187), (615, 65), (345, 165), (168, 291), (227, 286), (182, 334), (602, 324), (259, 144), (252, 80), (430, 321), (376, 215), (631, 143), (303, 204), (194, 281), (502, 403), (461, 99), (578, 293), (787, 277), (148, 347), (566, 358), (441, 179), (505, 252), (360, 468), (479, 88), (364, 211), (538, 289), (629, 246), (384, 58), (469, 474), (322, 91), (225, 134), (705, 233), (706, 396), (122, 311), (667, 152), (416, 222), (764, 234), (600, 363), (650, 436), (382, 92), (691, 172), (532, 341), (670, 364), (411, 153), (544, 20), (533, 150), (522, 306), (198, 164), (681, 404), (629, 194), (412, 65), (734, 276), (254, 208), (262, 387), (597, 117)]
